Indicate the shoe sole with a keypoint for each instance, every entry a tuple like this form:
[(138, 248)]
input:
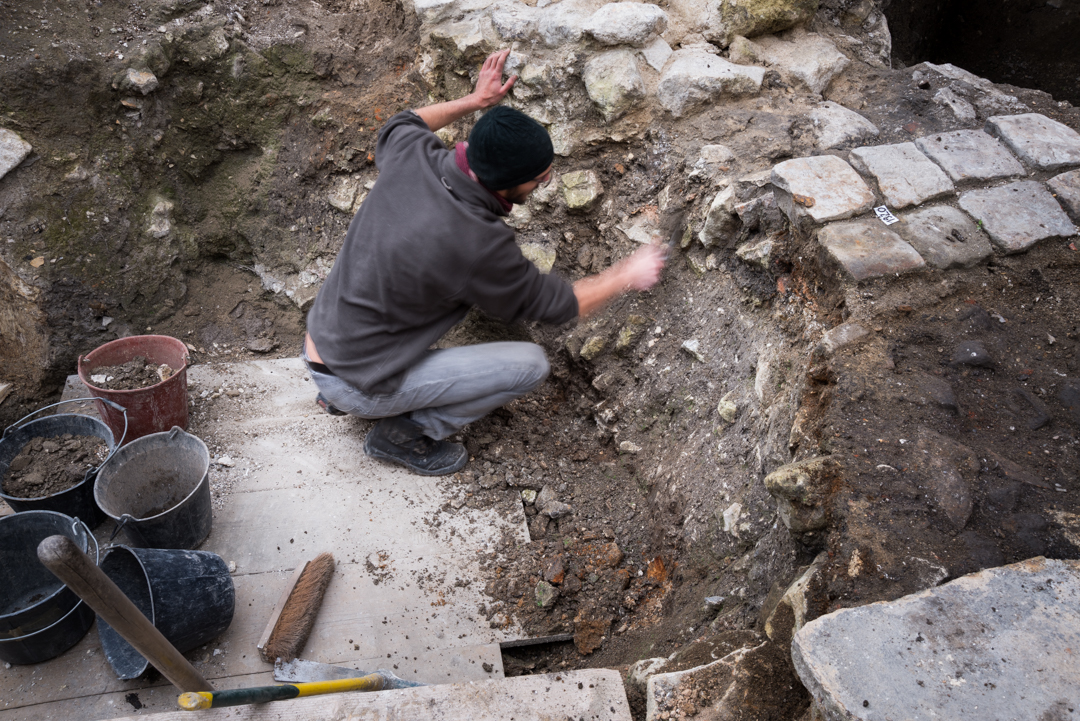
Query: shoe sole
[(379, 455)]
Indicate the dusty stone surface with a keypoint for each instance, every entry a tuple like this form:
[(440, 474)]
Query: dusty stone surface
[(836, 126), (868, 249), (1003, 639), (1040, 142), (142, 81), (656, 53), (759, 17), (842, 336), (13, 150), (836, 191), (1066, 188), (627, 23), (720, 220), (790, 613), (800, 490), (970, 155), (581, 190), (1017, 215), (808, 60), (694, 77), (903, 174), (613, 82), (945, 237)]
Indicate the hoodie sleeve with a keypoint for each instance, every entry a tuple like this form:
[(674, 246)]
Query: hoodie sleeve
[(399, 134)]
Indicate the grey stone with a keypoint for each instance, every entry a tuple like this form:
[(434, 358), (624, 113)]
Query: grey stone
[(923, 389), (546, 594), (758, 253), (948, 470), (970, 155), (142, 81), (835, 125), (727, 408), (626, 23), (962, 109), (832, 188), (789, 614), (1040, 142), (564, 22), (556, 510), (656, 53), (999, 644), (541, 255), (720, 221), (711, 161), (904, 175), (1066, 188), (1017, 215), (693, 347), (761, 213), (972, 353), (808, 60), (868, 249), (613, 82), (801, 489), (733, 681), (514, 20), (987, 98), (842, 336), (13, 150), (581, 190), (944, 236), (694, 77), (751, 18), (467, 40)]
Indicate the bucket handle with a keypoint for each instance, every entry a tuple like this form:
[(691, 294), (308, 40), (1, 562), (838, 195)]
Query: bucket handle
[(115, 405), (76, 522), (120, 526)]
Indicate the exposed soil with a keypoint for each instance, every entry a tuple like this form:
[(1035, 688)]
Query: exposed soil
[(136, 373), (46, 466)]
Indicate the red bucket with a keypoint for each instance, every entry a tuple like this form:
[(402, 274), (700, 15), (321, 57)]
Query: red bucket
[(154, 409)]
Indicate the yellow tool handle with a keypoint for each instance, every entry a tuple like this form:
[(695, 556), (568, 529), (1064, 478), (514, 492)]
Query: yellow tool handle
[(198, 700)]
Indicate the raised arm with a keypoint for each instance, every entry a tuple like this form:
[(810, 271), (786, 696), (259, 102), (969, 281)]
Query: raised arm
[(638, 272), (490, 89)]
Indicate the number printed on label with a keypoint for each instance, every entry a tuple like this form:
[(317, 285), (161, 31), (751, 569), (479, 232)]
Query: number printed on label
[(885, 216)]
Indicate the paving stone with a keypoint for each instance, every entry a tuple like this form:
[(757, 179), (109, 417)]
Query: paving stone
[(904, 175), (613, 82), (834, 190), (945, 237), (970, 155), (1017, 215), (868, 249), (1039, 141), (1066, 187), (13, 150), (835, 125), (626, 23), (694, 77), (998, 644)]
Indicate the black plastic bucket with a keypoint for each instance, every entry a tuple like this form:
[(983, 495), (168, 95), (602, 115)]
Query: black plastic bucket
[(77, 501), (38, 617), (157, 488), (187, 595)]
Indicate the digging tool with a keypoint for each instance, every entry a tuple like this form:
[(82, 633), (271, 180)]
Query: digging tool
[(672, 227), (60, 555), (198, 700), (294, 616), (299, 671)]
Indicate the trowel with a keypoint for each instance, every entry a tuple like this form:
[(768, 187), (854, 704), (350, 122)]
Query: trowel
[(672, 227), (300, 671)]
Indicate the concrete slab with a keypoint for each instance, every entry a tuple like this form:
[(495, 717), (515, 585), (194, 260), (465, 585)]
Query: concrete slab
[(970, 155), (407, 585), (591, 694), (998, 644), (1040, 142), (945, 237), (903, 174), (867, 249), (1017, 215), (821, 188), (1066, 188)]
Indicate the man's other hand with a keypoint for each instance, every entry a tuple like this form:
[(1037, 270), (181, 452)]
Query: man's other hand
[(490, 88), (641, 270)]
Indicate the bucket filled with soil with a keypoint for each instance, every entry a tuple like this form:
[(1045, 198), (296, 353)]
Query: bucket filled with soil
[(147, 375), (157, 489), (40, 617), (50, 464)]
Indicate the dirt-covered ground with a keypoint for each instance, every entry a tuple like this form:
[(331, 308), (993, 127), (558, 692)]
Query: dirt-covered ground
[(666, 501)]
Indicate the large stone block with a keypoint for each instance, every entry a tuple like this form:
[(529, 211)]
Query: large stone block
[(904, 175), (751, 18), (514, 20), (581, 190), (820, 188), (613, 82), (1066, 188), (998, 644), (1040, 142), (1017, 215), (13, 150), (970, 155), (626, 23), (694, 77), (564, 22), (945, 237), (808, 60), (868, 249), (835, 126)]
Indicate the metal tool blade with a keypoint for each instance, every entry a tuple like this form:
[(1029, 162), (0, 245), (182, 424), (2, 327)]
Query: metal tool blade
[(300, 671)]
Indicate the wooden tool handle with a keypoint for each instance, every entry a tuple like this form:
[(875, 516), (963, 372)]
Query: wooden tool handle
[(61, 556)]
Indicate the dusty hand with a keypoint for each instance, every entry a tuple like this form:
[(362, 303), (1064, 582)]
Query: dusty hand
[(641, 270), (490, 88)]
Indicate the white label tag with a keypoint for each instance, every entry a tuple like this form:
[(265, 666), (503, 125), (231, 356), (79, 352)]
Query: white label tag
[(885, 216)]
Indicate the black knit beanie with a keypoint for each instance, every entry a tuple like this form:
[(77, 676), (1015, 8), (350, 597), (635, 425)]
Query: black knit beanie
[(508, 148)]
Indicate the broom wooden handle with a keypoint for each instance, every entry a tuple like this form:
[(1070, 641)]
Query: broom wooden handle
[(61, 556)]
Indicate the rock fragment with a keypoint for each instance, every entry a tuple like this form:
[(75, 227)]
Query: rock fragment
[(1018, 215), (800, 490), (720, 220), (142, 81), (841, 337), (13, 150), (626, 23), (581, 190), (949, 470), (836, 126), (613, 82), (545, 594), (694, 77), (1066, 188), (808, 60)]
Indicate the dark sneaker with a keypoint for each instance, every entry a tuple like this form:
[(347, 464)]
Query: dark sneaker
[(325, 405), (400, 440)]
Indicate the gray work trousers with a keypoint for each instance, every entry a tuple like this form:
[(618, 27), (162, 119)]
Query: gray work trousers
[(448, 388)]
